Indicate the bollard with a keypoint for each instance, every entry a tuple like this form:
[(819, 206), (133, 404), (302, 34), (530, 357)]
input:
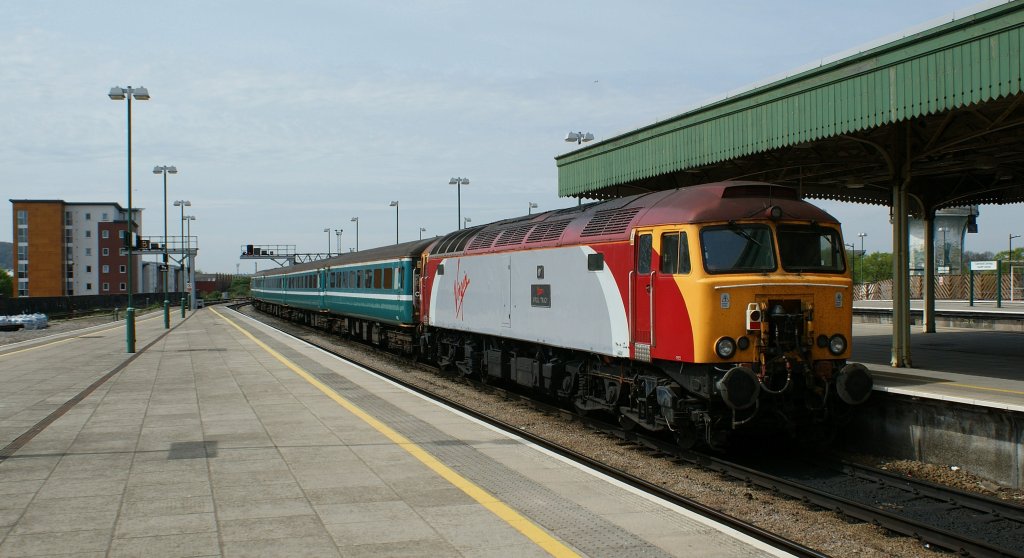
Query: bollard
[(115, 313), (183, 307)]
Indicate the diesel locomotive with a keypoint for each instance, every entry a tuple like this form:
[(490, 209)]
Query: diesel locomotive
[(701, 311)]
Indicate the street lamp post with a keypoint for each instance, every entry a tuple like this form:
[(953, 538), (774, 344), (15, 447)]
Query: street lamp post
[(337, 244), (165, 170), (394, 204), (422, 230), (458, 181), (862, 235), (853, 261), (118, 93), (328, 231), (530, 206), (182, 204), (356, 221), (465, 222), (1009, 255), (191, 261)]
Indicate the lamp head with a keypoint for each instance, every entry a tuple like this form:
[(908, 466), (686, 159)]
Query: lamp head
[(116, 93), (393, 204), (354, 219), (140, 93)]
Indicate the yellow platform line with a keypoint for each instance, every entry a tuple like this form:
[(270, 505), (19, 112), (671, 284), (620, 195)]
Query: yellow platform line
[(983, 388), (942, 382), (528, 528)]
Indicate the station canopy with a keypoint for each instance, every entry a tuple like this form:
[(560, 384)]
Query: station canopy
[(941, 111)]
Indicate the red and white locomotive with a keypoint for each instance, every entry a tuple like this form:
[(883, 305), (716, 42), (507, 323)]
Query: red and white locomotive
[(699, 310)]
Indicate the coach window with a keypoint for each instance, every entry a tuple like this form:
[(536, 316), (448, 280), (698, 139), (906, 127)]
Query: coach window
[(377, 273), (401, 278), (389, 278)]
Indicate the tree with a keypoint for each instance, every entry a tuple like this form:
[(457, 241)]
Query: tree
[(876, 266), (239, 287), (6, 284)]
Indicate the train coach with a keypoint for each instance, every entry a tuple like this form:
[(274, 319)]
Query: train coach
[(700, 311)]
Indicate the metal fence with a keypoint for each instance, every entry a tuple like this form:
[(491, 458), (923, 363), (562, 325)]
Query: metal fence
[(949, 287), (70, 305)]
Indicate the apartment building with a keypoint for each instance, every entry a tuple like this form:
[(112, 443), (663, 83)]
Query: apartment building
[(71, 248)]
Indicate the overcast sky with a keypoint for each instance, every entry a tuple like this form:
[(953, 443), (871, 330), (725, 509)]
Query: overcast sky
[(284, 118)]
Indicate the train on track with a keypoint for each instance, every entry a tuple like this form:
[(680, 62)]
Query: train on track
[(701, 311)]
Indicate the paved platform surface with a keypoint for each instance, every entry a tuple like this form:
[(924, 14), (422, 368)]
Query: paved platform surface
[(226, 439), (962, 364)]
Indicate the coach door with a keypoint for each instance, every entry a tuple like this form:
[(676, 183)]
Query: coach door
[(642, 306), (321, 283)]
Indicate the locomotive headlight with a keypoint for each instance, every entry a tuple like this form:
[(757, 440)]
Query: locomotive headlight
[(725, 347), (836, 344)]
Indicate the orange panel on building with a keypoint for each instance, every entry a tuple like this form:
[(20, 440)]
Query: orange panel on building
[(46, 266)]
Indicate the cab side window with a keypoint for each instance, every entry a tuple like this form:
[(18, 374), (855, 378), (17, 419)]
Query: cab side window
[(675, 254)]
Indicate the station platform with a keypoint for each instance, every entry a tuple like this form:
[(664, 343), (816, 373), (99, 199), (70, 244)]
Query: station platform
[(226, 438), (978, 366)]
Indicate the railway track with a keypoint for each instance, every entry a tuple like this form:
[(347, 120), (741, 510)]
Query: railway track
[(939, 516)]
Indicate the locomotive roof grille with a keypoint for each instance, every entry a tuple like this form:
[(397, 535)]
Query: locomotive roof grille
[(610, 221), (484, 240), (513, 235), (544, 232), (455, 242)]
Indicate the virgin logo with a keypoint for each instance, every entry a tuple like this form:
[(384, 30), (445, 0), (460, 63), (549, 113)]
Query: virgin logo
[(460, 290)]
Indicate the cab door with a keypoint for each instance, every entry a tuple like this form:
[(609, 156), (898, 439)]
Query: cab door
[(642, 307)]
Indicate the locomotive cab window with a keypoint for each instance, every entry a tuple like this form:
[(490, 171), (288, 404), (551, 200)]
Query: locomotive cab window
[(810, 248), (736, 248), (675, 254)]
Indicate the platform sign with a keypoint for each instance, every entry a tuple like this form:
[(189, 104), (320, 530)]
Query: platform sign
[(983, 266), (943, 270)]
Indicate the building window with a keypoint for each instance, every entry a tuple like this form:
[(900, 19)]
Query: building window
[(88, 234), (88, 251), (124, 269), (22, 217), (124, 287), (106, 251), (106, 286), (22, 234), (88, 269), (22, 270), (23, 289), (88, 286), (105, 234), (88, 216), (105, 269), (106, 216), (22, 252), (120, 234), (68, 218)]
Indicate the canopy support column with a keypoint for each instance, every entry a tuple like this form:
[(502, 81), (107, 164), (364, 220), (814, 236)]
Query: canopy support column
[(929, 272), (901, 250)]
